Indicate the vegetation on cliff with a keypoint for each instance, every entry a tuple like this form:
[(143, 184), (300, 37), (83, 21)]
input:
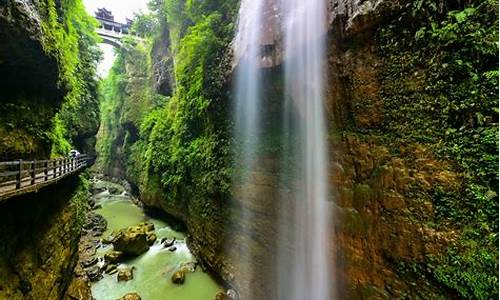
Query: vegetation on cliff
[(440, 89), (180, 142), (37, 122)]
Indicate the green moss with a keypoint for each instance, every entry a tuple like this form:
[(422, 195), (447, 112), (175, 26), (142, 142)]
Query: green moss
[(69, 35), (50, 123), (440, 88)]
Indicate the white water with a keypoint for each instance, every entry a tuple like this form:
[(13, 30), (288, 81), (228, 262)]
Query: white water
[(303, 269), (248, 85), (304, 29)]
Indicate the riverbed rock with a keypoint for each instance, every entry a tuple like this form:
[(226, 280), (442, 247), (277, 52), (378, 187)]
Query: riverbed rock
[(94, 273), (79, 288), (232, 294), (147, 226), (151, 238), (172, 249), (95, 223), (130, 296), (113, 256), (168, 242), (178, 277), (131, 241), (188, 267), (110, 269), (113, 190), (125, 274), (90, 261)]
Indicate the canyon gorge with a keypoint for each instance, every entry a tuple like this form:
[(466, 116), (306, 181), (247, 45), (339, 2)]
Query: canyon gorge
[(253, 149)]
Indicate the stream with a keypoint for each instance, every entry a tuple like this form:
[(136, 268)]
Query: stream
[(153, 269)]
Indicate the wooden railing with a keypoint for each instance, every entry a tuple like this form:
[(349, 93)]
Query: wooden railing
[(21, 174)]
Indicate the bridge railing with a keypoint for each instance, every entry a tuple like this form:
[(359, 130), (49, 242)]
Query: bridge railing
[(18, 174)]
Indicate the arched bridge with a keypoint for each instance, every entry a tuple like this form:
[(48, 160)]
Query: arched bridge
[(109, 30), (110, 37), (21, 176)]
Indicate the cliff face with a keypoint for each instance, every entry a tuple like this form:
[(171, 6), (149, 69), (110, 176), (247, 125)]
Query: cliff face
[(400, 164), (39, 241), (48, 59)]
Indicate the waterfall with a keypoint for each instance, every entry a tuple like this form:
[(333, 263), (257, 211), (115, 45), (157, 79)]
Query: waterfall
[(302, 267), (308, 275)]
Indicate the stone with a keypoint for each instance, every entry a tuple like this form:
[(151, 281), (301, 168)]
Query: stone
[(113, 190), (131, 241), (94, 273), (79, 289), (172, 249), (89, 262), (125, 274), (107, 240), (232, 294), (188, 267), (110, 269), (113, 256), (151, 238), (168, 242), (178, 277), (95, 222), (221, 296), (130, 296), (147, 226)]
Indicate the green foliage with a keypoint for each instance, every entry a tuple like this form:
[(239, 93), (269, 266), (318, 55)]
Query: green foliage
[(145, 25), (60, 146), (178, 141), (69, 35), (188, 148), (440, 87)]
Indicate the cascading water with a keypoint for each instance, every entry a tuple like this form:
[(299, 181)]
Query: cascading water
[(304, 27), (302, 261), (247, 118), (248, 85)]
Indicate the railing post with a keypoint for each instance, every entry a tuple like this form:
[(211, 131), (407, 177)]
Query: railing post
[(46, 170), (54, 169), (19, 174), (33, 172)]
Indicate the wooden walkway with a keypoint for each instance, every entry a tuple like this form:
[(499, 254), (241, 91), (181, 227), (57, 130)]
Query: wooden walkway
[(21, 176)]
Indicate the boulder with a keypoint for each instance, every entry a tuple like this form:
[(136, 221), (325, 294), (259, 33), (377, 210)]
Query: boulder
[(95, 223), (147, 226), (131, 241), (172, 249), (222, 296), (151, 237), (232, 294), (125, 274), (188, 267), (79, 288), (110, 269), (178, 277), (113, 190), (113, 256), (168, 242), (130, 296), (94, 273)]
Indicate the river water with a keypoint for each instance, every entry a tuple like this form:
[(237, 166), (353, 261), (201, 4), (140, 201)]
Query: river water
[(154, 268)]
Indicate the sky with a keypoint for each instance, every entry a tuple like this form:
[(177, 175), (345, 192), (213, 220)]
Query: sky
[(121, 9)]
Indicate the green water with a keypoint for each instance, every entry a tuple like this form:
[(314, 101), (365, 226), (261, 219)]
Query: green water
[(154, 268)]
